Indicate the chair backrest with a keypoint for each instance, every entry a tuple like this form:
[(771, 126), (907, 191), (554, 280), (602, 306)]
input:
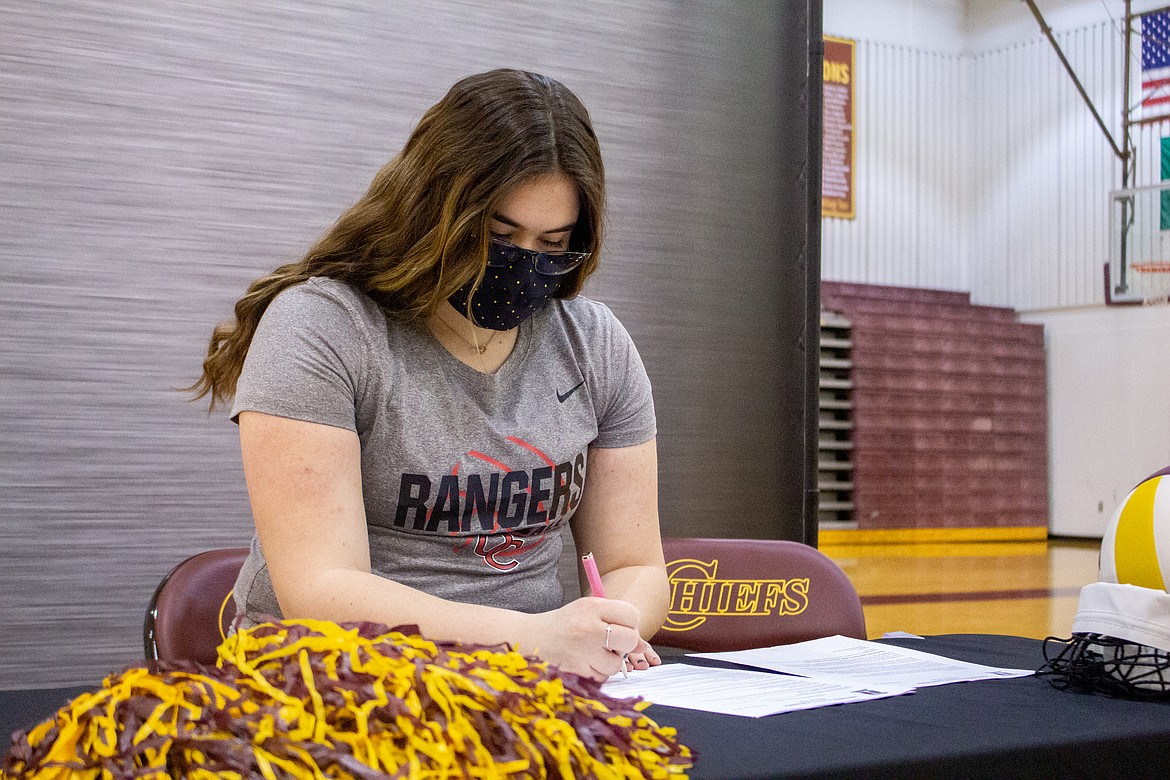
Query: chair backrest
[(192, 608), (734, 594)]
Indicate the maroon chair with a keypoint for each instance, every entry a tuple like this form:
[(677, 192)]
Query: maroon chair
[(735, 594), (192, 608)]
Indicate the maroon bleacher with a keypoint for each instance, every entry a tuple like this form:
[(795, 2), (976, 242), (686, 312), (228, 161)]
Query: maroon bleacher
[(949, 410)]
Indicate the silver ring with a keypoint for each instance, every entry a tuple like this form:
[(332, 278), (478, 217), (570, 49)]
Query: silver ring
[(608, 631)]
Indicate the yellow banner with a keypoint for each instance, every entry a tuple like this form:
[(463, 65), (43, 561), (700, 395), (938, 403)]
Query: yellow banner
[(838, 148)]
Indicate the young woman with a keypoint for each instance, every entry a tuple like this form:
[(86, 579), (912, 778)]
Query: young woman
[(425, 402)]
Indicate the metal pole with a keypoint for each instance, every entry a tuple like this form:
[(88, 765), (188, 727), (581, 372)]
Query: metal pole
[(1076, 81), (1126, 203), (1147, 121), (812, 271)]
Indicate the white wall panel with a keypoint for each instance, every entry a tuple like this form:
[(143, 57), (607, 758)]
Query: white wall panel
[(909, 159), (1105, 432), (986, 172), (1051, 240)]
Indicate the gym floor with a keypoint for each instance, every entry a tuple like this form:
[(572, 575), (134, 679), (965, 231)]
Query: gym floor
[(1022, 588)]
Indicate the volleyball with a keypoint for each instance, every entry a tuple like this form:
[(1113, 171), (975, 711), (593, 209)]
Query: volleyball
[(1135, 549)]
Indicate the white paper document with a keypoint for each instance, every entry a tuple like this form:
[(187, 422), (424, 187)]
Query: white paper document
[(737, 691), (861, 663)]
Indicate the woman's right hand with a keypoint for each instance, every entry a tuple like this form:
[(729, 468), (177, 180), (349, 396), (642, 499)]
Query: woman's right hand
[(575, 637)]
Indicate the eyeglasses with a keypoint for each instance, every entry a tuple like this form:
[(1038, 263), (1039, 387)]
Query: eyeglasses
[(501, 253)]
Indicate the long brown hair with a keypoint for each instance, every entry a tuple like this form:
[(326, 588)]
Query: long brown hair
[(421, 231)]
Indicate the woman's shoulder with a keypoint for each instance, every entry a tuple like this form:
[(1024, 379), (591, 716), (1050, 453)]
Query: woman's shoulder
[(320, 295), (326, 288), (591, 330), (587, 314)]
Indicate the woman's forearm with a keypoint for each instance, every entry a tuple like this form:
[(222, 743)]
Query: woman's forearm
[(576, 637), (344, 595), (645, 587)]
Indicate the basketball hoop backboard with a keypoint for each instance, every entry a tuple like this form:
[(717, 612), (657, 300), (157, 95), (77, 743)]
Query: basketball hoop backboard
[(1138, 271)]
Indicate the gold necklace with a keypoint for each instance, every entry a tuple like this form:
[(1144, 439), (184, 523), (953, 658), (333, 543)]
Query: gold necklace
[(474, 342)]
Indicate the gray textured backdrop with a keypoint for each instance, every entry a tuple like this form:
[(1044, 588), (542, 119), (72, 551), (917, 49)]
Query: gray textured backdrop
[(155, 157)]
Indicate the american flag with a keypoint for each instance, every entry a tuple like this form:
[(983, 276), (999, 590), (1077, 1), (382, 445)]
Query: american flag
[(1156, 64)]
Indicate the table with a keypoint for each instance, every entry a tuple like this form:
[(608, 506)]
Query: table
[(1021, 727), (997, 729)]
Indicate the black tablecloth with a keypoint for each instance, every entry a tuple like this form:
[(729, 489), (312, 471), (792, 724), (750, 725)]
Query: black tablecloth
[(1020, 727), (1001, 728), (25, 709)]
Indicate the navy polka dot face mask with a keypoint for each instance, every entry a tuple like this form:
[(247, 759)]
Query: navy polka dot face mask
[(517, 284)]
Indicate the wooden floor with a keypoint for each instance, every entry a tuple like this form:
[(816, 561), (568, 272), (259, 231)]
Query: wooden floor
[(1023, 588)]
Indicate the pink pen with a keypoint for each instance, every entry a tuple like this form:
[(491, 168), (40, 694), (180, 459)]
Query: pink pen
[(598, 590)]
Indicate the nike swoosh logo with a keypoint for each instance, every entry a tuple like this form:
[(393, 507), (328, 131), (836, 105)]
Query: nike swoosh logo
[(562, 397)]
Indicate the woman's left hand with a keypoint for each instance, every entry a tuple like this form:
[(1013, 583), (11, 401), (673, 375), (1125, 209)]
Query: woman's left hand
[(642, 657)]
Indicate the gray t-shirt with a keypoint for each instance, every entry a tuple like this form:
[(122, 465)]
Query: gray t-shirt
[(468, 479)]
